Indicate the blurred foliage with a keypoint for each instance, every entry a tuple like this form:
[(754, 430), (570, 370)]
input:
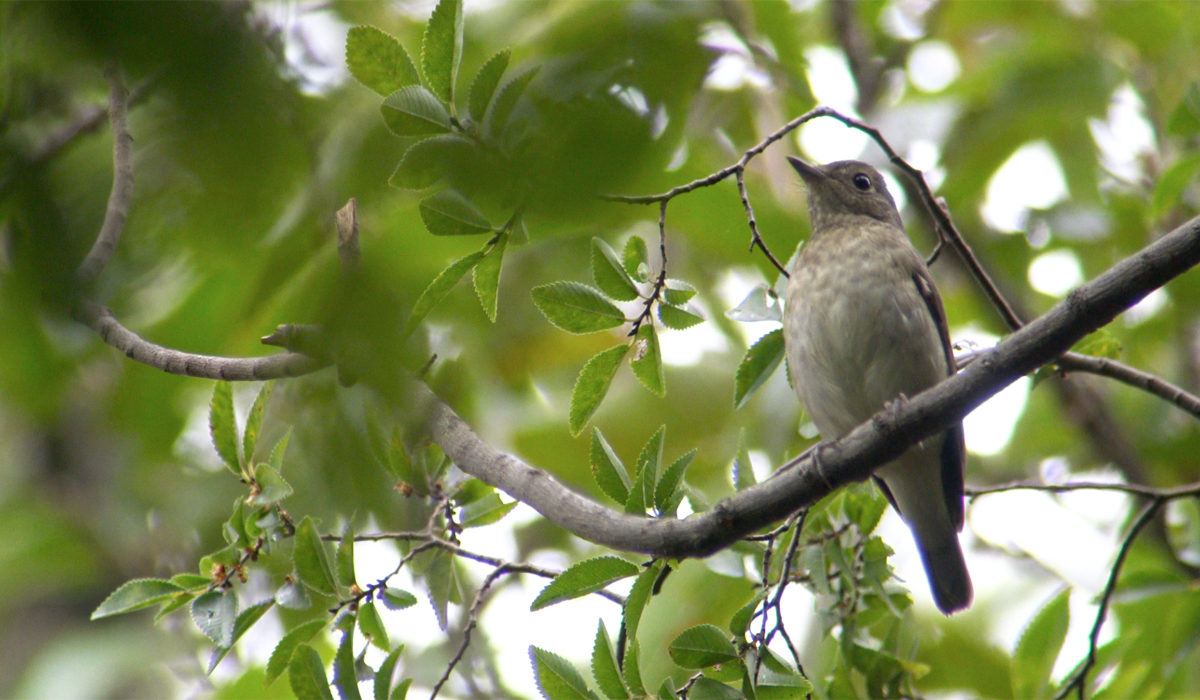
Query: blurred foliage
[(249, 134)]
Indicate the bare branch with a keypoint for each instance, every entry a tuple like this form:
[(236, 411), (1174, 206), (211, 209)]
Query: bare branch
[(122, 188), (1073, 361)]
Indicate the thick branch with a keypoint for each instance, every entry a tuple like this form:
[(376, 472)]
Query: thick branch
[(855, 456)]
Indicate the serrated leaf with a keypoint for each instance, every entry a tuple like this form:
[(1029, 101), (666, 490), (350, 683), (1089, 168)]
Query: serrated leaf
[(306, 674), (556, 678), (223, 427), (487, 277), (471, 490), (677, 292), (635, 257), (135, 595), (441, 580), (1172, 184), (679, 317), (345, 678), (633, 668), (609, 274), (485, 511), (441, 50), (611, 475), (312, 560), (1039, 646), (215, 613), (740, 622), (272, 487), (647, 362), (635, 603), (582, 578), (344, 558), (282, 654), (449, 213), (592, 384), (649, 466), (438, 289), (245, 620), (667, 493), (506, 101), (401, 690), (398, 598), (428, 161), (189, 582), (255, 419), (383, 677), (760, 304), (782, 687), (278, 451), (414, 111), (484, 84), (292, 595), (759, 363), (708, 689), (605, 669), (701, 646), (668, 691), (576, 308), (371, 626), (378, 61)]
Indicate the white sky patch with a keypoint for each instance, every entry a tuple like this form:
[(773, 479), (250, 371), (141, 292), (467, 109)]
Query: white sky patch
[(314, 43), (830, 78), (1030, 179), (989, 428), (924, 155), (735, 66), (827, 140), (895, 190), (1055, 273), (933, 66), (1125, 136), (1147, 308), (686, 348)]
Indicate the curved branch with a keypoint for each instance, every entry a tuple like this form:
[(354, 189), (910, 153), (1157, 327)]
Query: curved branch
[(122, 188), (853, 458), (230, 369), (1076, 362)]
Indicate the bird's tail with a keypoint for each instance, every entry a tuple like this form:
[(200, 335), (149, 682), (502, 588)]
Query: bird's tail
[(947, 571)]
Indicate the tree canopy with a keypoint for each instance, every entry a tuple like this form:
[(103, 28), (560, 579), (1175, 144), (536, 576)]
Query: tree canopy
[(434, 348)]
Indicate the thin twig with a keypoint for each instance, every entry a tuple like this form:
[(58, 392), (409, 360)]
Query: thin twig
[(121, 195), (755, 238), (1132, 489), (472, 623), (1104, 367)]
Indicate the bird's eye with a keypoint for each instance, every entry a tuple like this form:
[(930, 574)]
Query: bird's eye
[(862, 182)]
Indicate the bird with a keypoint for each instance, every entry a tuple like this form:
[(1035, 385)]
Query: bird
[(864, 327)]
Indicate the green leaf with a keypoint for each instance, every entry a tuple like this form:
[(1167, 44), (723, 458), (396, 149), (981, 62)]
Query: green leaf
[(441, 51), (679, 317), (636, 256), (708, 689), (215, 613), (701, 646), (345, 679), (740, 622), (428, 161), (582, 578), (605, 669), (1171, 185), (437, 290), (609, 274), (312, 560), (189, 582), (344, 558), (414, 111), (484, 85), (449, 213), (635, 602), (485, 511), (1039, 646), (471, 490), (282, 655), (383, 677), (506, 101), (647, 363), (245, 620), (292, 595), (223, 426), (677, 292), (398, 598), (255, 419), (487, 277), (667, 493), (306, 674), (1185, 118), (277, 452), (556, 678), (649, 466), (1102, 343), (371, 626), (611, 475), (401, 690), (757, 366), (743, 470), (135, 595), (592, 384), (441, 580), (576, 308), (272, 487), (378, 61), (633, 668), (760, 304)]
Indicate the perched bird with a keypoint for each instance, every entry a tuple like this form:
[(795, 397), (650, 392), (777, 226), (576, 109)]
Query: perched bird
[(864, 326)]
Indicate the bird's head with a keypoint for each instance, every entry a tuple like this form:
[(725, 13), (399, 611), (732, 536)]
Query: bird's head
[(847, 188)]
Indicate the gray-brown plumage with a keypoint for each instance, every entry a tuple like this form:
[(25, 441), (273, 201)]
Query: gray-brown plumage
[(864, 326)]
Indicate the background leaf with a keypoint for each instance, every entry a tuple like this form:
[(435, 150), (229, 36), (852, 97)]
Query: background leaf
[(378, 61)]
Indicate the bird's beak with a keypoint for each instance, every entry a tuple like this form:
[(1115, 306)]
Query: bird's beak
[(809, 173)]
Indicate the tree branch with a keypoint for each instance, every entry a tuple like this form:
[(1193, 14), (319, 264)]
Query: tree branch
[(122, 188)]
